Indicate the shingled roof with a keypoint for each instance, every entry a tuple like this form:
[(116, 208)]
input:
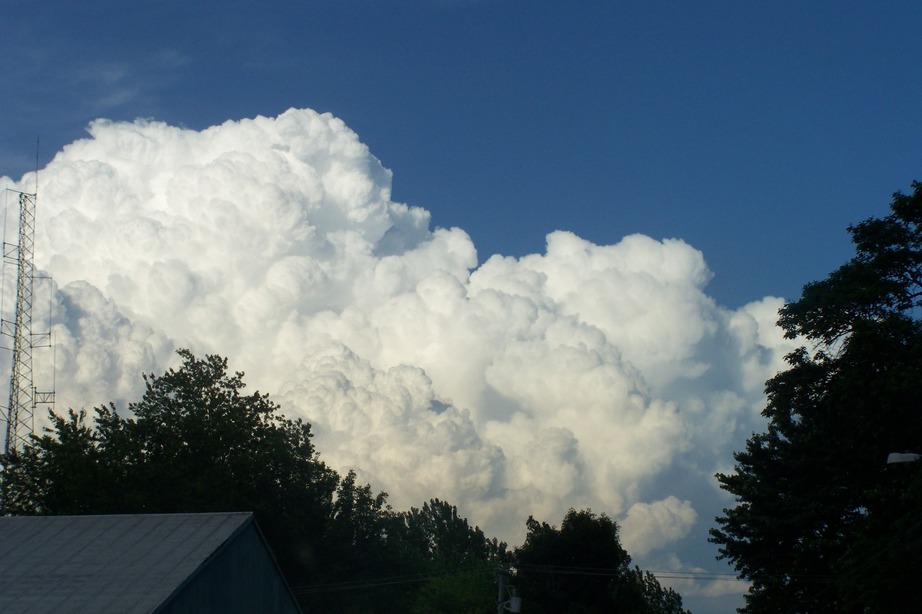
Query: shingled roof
[(128, 563)]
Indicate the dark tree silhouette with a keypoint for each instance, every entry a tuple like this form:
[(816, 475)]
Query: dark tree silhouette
[(821, 523), (581, 567)]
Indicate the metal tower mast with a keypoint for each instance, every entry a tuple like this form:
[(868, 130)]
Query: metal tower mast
[(23, 396)]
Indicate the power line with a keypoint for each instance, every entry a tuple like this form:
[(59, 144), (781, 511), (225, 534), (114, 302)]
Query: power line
[(366, 583), (385, 580)]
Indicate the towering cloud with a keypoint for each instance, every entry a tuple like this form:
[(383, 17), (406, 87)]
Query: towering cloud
[(589, 375)]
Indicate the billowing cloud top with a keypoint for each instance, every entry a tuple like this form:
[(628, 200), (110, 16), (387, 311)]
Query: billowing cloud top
[(590, 375)]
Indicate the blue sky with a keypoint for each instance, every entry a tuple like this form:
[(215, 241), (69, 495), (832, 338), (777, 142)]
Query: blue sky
[(756, 132)]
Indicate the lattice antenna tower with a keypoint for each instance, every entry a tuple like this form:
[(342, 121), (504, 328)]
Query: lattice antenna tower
[(24, 397)]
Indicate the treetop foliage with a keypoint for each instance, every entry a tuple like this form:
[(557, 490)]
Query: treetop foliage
[(581, 567), (883, 280)]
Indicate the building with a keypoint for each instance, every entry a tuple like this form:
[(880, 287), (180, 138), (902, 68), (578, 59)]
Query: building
[(139, 563)]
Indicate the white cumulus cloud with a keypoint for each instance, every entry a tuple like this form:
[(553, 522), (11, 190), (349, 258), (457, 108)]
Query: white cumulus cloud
[(652, 525), (599, 376)]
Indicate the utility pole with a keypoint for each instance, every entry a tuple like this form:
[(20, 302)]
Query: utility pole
[(508, 599)]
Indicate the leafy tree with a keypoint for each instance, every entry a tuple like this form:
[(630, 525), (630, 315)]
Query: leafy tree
[(443, 538), (467, 591), (582, 567), (819, 516), (423, 560), (360, 552), (360, 519), (193, 443), (72, 478), (459, 561), (657, 599)]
